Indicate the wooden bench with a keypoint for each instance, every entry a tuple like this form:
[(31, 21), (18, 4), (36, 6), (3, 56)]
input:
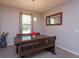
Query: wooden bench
[(26, 48)]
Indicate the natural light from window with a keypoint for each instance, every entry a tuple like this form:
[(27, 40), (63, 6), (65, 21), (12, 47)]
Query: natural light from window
[(26, 23)]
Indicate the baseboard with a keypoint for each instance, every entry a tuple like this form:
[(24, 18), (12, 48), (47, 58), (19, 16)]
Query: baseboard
[(70, 51)]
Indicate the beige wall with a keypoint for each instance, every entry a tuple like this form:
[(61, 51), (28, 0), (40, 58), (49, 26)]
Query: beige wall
[(0, 18), (10, 22), (68, 33)]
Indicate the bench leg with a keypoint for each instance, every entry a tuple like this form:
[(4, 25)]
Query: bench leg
[(21, 56), (47, 49), (53, 50), (16, 49)]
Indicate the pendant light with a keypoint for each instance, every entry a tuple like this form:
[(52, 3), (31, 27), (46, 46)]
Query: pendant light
[(34, 18)]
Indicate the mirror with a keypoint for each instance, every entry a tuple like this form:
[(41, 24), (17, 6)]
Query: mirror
[(55, 19)]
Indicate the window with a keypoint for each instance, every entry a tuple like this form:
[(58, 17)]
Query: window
[(26, 24)]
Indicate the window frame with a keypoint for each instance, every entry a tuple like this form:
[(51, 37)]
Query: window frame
[(20, 22)]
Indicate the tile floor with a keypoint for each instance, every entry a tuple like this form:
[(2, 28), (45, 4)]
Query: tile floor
[(9, 52)]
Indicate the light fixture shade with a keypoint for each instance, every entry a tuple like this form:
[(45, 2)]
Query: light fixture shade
[(35, 19)]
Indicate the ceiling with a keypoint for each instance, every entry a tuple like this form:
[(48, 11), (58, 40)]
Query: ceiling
[(39, 5)]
